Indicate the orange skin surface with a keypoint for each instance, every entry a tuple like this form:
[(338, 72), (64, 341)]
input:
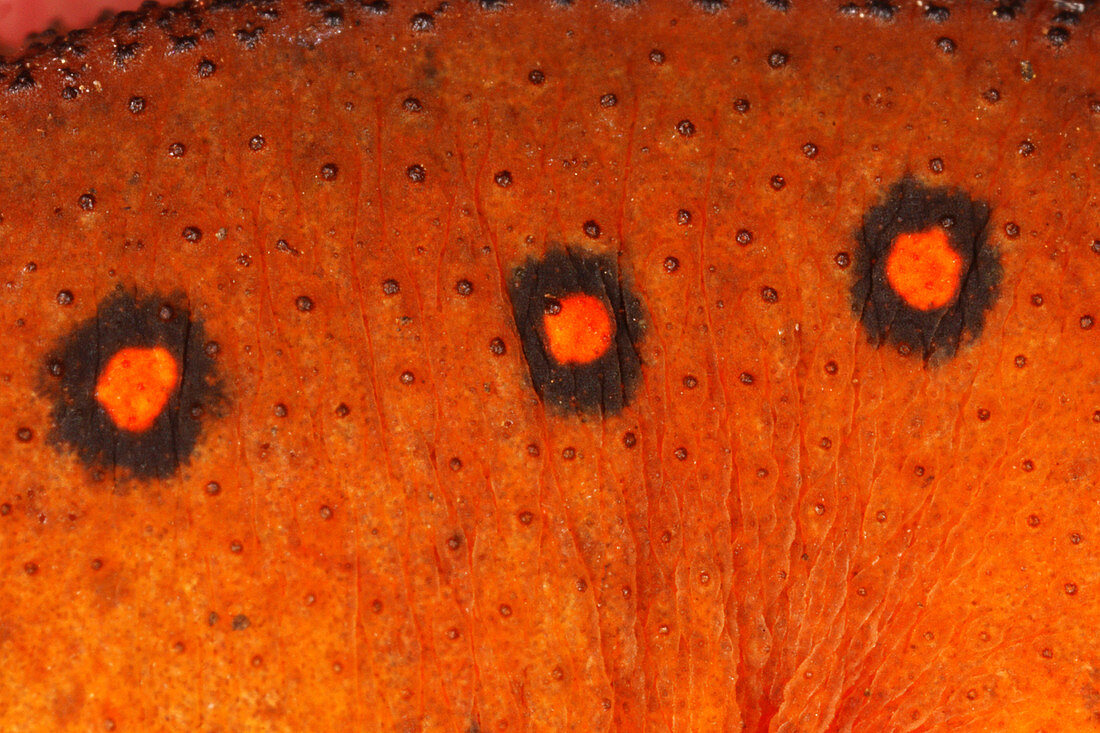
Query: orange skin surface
[(579, 331), (841, 543), (924, 270), (135, 385)]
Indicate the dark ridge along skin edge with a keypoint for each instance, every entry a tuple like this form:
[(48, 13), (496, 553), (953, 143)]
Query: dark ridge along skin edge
[(73, 367), (604, 385), (911, 207), (785, 528)]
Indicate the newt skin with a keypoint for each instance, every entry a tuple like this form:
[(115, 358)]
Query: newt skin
[(850, 539)]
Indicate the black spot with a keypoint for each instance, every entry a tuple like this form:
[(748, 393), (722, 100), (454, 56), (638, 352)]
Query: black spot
[(937, 13), (206, 69), (182, 44), (946, 45), (137, 105), (604, 385), (125, 52), (778, 59), (22, 81), (881, 9), (81, 425), (248, 38), (710, 6), (422, 23), (912, 207)]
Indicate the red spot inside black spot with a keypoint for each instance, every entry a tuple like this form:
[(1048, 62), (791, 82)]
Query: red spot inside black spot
[(744, 237), (329, 171), (952, 312), (579, 327), (464, 288), (98, 414)]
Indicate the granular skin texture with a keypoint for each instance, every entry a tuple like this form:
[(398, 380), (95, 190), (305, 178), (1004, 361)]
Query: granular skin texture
[(788, 525)]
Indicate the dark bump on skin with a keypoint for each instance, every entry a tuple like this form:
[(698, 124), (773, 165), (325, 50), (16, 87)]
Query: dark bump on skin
[(422, 23), (710, 6), (778, 59), (604, 385), (937, 13), (946, 45), (911, 207), (71, 371), (206, 69)]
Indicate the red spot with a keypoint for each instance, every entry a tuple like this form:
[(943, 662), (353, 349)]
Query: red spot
[(579, 329), (135, 385), (923, 269)]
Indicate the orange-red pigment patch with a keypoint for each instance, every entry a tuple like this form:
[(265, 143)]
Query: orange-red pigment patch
[(924, 270), (135, 386), (578, 329)]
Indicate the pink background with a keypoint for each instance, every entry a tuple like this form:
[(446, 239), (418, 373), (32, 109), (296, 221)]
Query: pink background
[(20, 17)]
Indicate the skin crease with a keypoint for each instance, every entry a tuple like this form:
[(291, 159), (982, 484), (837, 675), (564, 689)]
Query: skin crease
[(787, 529)]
